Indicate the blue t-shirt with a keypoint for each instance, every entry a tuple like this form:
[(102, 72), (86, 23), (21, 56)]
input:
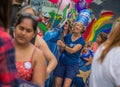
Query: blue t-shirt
[(68, 58), (84, 55), (91, 52)]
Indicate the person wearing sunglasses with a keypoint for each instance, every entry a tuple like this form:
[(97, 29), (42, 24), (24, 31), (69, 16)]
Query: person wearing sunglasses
[(41, 44), (30, 61), (46, 20), (67, 28)]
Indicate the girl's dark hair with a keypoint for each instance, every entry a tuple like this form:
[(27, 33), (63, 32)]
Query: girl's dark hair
[(103, 36), (5, 13), (23, 16), (19, 1)]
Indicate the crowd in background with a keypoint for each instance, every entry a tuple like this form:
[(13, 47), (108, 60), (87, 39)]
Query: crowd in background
[(25, 57)]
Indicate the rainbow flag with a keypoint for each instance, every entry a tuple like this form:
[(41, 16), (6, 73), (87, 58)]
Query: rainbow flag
[(103, 24)]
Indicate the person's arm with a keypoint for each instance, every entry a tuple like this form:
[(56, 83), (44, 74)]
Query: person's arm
[(68, 49), (89, 60), (8, 72), (52, 61), (39, 70)]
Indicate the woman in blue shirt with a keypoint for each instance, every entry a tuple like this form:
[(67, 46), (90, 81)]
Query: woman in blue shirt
[(69, 59)]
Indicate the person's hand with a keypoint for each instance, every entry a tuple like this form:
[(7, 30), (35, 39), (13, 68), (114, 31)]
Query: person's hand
[(48, 73), (60, 43), (89, 60)]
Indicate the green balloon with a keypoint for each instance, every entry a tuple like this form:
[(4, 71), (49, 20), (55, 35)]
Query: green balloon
[(42, 26)]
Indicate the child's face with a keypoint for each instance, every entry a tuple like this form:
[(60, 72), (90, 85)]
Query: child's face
[(85, 50)]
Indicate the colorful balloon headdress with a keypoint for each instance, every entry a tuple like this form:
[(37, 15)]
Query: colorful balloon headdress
[(84, 17)]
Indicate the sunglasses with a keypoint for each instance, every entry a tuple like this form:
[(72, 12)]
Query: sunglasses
[(35, 18), (47, 17), (118, 20)]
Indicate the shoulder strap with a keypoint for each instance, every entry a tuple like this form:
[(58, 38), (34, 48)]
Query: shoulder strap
[(33, 53)]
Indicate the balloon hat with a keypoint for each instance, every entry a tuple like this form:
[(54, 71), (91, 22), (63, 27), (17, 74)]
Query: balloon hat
[(84, 17)]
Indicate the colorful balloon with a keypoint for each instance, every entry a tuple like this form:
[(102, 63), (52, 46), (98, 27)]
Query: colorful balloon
[(88, 2), (54, 1), (76, 1), (84, 17), (81, 5)]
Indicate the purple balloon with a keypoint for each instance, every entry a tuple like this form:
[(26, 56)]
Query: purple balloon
[(81, 5)]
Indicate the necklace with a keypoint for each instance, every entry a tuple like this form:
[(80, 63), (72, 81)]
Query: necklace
[(74, 38)]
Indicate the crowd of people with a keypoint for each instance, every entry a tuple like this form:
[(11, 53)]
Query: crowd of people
[(25, 57)]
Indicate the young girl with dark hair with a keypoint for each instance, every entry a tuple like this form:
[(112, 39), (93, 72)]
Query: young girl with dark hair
[(30, 61)]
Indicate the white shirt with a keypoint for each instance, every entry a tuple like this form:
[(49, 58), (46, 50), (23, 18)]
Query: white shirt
[(107, 73)]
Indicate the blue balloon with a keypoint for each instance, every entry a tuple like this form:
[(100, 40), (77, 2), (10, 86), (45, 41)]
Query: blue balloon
[(50, 35), (51, 38), (84, 17), (81, 5)]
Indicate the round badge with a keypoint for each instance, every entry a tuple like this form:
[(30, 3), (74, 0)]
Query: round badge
[(27, 65), (71, 45)]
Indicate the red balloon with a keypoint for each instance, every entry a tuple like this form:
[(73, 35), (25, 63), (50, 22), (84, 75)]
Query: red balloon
[(88, 2), (54, 1), (76, 1)]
